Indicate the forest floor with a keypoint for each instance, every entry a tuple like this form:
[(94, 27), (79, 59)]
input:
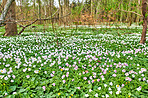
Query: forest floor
[(87, 62)]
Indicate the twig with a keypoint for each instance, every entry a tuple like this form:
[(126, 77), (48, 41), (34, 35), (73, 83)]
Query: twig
[(27, 26), (53, 14), (131, 12), (38, 20)]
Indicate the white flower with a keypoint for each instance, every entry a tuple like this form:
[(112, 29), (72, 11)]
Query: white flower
[(7, 65), (36, 71), (13, 76), (133, 75), (1, 76), (90, 77), (90, 90), (143, 69), (3, 71), (29, 69), (142, 75), (126, 74), (6, 94), (24, 70), (111, 83), (118, 92), (110, 92), (34, 66), (63, 76), (14, 93), (96, 95), (28, 76), (45, 72), (86, 95), (107, 95), (9, 76), (109, 88), (66, 68), (139, 88), (12, 80), (99, 88), (105, 85), (118, 87), (103, 78), (6, 78)]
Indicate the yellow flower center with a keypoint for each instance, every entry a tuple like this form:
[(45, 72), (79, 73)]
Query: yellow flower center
[(59, 94), (95, 80), (71, 94), (4, 84), (109, 71), (1, 70), (117, 85), (61, 69), (129, 96)]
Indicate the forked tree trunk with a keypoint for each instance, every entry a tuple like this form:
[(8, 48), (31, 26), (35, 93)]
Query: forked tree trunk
[(11, 26), (144, 11)]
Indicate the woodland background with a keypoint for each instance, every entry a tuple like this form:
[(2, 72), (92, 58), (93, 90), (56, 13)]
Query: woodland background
[(85, 12)]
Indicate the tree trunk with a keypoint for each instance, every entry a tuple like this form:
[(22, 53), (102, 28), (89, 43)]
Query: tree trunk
[(39, 11), (138, 11), (60, 10), (11, 26), (144, 11), (6, 5)]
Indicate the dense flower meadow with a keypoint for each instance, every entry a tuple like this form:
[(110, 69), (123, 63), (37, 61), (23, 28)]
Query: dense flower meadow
[(83, 65)]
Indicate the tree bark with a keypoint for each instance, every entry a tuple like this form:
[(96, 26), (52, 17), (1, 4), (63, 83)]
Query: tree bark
[(6, 6), (144, 11), (60, 11), (39, 10), (10, 27)]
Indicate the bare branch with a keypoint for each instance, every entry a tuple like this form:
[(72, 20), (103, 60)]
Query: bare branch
[(131, 12), (24, 27)]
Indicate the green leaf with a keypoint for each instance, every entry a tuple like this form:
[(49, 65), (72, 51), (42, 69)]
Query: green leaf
[(22, 90), (12, 88)]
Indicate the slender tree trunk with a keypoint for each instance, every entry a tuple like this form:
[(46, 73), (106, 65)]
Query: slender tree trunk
[(11, 27), (91, 7), (64, 11), (39, 10), (129, 14), (138, 11), (121, 17), (60, 10), (144, 11)]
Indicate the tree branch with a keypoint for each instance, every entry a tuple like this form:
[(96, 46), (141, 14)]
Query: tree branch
[(24, 27), (131, 12)]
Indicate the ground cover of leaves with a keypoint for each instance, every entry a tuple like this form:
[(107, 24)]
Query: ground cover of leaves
[(85, 64)]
